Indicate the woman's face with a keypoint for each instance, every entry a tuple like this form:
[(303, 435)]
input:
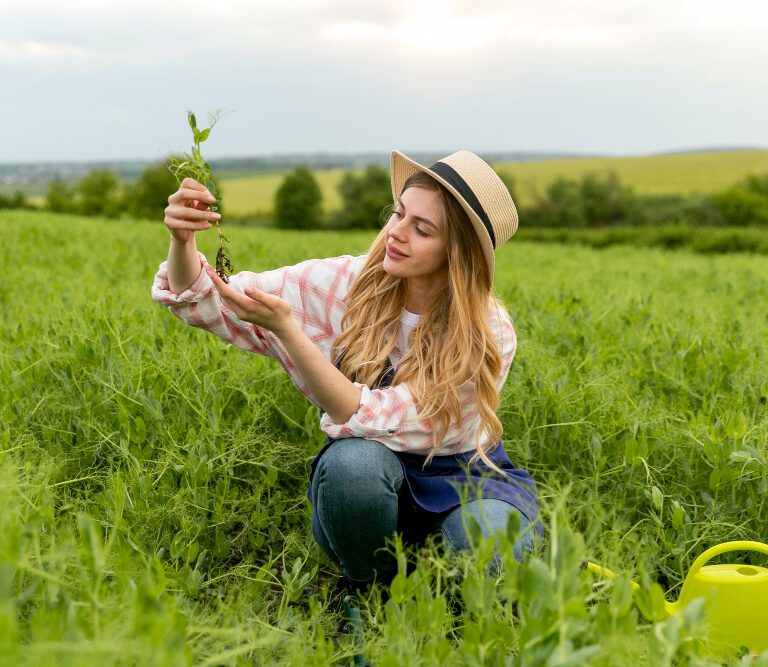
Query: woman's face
[(416, 228)]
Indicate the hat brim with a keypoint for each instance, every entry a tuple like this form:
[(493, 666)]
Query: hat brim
[(402, 168)]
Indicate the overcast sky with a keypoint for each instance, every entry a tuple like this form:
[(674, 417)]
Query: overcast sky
[(98, 79)]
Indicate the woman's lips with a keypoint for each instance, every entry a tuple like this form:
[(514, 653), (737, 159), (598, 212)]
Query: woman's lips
[(394, 254)]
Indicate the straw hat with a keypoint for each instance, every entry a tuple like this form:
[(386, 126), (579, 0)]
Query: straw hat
[(479, 190)]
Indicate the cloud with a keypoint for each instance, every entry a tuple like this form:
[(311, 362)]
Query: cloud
[(30, 49), (354, 74)]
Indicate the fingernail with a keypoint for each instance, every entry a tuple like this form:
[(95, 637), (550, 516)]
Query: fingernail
[(210, 198), (216, 216)]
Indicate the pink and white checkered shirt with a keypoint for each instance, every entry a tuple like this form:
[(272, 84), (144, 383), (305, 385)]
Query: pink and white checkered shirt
[(316, 290)]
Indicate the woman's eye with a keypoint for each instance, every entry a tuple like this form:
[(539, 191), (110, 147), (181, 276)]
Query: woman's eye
[(400, 215)]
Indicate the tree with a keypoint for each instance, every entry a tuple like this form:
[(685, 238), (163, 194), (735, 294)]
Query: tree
[(560, 206), (298, 201), (148, 195), (59, 198), (364, 198), (17, 200), (740, 206), (604, 201), (97, 193)]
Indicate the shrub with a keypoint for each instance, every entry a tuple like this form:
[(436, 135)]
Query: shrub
[(740, 206), (604, 200), (560, 206), (17, 200), (97, 193), (298, 201), (671, 209), (148, 195), (364, 199), (59, 197), (758, 184)]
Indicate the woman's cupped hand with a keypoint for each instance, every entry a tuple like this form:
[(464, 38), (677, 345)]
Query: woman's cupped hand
[(260, 308)]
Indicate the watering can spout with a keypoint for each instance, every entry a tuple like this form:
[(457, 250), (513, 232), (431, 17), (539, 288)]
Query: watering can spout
[(735, 595), (670, 608)]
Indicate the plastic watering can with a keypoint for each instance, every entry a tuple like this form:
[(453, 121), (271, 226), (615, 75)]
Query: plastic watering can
[(738, 608)]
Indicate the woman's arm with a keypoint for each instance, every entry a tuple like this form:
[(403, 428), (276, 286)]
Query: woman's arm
[(332, 391), (187, 212), (183, 264), (335, 394)]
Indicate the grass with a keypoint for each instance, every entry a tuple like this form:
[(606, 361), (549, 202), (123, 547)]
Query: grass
[(153, 479)]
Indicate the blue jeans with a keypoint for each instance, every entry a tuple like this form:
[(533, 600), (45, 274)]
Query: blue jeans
[(357, 504)]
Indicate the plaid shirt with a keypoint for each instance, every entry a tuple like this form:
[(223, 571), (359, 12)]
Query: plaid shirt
[(316, 290)]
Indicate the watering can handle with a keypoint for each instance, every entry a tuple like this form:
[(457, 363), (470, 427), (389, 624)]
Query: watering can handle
[(738, 545)]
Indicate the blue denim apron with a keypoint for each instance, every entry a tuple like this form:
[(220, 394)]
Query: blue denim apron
[(434, 488)]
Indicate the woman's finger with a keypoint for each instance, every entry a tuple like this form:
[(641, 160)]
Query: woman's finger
[(227, 291), (186, 213), (191, 195)]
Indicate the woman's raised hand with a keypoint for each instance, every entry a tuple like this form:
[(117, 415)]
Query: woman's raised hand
[(187, 210)]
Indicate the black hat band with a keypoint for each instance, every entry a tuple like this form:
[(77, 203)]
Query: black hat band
[(449, 174)]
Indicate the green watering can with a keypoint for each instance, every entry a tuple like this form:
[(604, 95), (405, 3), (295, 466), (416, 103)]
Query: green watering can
[(738, 610)]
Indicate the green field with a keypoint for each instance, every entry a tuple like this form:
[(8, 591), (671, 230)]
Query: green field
[(153, 478), (680, 173)]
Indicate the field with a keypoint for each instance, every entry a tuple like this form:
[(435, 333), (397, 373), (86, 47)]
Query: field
[(153, 478), (680, 173)]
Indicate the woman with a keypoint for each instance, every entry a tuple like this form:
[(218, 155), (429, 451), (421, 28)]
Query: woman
[(403, 349)]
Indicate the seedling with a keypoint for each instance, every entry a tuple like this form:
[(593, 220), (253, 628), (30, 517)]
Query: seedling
[(194, 166)]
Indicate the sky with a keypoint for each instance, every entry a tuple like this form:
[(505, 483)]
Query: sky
[(108, 80)]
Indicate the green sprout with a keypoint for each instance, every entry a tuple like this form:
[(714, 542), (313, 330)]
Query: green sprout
[(194, 166)]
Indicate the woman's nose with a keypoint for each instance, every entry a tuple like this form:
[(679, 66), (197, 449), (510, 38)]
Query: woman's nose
[(398, 227)]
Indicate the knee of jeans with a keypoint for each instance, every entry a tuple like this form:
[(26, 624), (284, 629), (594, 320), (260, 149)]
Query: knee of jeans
[(496, 513), (351, 460)]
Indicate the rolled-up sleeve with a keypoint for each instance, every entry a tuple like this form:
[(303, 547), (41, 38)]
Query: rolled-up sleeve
[(389, 414), (201, 306), (315, 289)]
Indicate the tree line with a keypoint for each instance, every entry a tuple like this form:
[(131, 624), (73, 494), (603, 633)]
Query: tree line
[(592, 201)]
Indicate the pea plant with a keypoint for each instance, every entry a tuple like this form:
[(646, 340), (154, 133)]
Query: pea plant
[(194, 166)]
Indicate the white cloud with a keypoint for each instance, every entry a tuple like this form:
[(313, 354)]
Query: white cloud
[(30, 49), (352, 74)]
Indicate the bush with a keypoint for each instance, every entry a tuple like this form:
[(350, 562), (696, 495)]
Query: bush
[(758, 184), (364, 199), (298, 201), (740, 206), (148, 195), (698, 239), (59, 197), (604, 200), (17, 200), (560, 207), (669, 209), (97, 193)]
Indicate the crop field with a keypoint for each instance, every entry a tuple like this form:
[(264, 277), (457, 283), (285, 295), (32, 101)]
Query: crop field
[(153, 478), (658, 174)]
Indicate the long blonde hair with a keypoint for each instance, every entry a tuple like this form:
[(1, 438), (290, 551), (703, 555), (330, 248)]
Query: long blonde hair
[(453, 342)]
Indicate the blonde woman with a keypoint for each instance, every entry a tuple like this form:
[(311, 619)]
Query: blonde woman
[(404, 349)]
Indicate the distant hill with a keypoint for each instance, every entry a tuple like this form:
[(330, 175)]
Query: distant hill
[(32, 175), (683, 170)]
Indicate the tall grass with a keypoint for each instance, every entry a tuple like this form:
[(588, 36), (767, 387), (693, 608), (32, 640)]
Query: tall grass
[(153, 479)]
